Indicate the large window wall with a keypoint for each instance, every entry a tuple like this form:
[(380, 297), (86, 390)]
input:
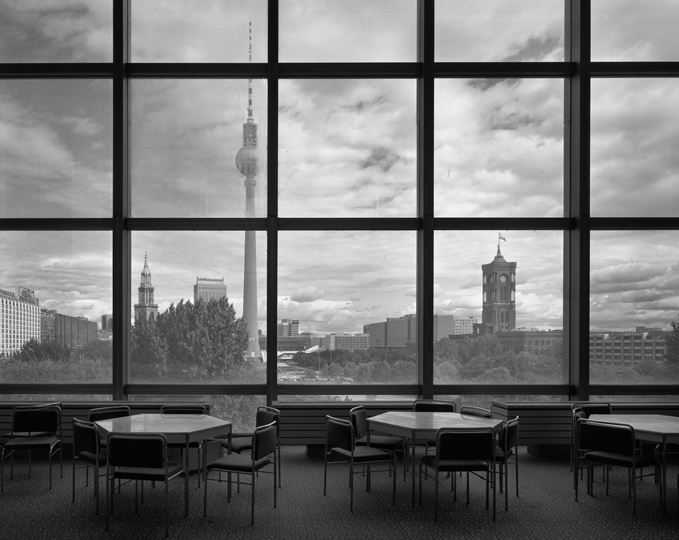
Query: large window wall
[(385, 198)]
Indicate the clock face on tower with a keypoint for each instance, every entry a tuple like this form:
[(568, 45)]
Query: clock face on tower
[(503, 278)]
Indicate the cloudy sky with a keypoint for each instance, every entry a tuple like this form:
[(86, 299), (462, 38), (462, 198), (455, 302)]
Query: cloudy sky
[(347, 148)]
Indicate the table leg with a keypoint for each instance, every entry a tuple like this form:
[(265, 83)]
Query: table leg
[(186, 477), (663, 478), (412, 465)]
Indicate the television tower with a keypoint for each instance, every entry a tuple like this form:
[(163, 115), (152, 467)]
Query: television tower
[(247, 163)]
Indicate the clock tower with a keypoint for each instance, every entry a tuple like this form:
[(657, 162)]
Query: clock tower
[(499, 287)]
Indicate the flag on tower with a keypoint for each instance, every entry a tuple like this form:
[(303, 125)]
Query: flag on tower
[(502, 237)]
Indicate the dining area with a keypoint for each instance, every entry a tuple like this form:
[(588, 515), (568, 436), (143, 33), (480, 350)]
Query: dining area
[(306, 497)]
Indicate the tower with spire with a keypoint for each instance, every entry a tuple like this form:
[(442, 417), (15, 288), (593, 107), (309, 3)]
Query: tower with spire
[(499, 288), (146, 309), (247, 162)]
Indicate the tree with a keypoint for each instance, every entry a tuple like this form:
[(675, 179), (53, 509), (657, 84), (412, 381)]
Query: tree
[(34, 351), (672, 345)]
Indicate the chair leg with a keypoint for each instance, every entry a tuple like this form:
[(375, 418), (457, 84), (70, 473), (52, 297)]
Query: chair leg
[(252, 498)]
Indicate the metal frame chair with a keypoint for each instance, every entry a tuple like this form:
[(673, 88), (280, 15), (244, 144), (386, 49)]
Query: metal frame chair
[(198, 445), (507, 449), (263, 443), (464, 450), (612, 444), (87, 448), (33, 427), (340, 441), (433, 405), (139, 456), (242, 442), (359, 419), (106, 413), (470, 410)]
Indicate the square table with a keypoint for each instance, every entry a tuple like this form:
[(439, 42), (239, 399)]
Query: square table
[(177, 428), (417, 424), (658, 428)]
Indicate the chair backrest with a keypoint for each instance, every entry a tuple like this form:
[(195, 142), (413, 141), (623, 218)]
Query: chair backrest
[(267, 415), (601, 437), (434, 405), (339, 433), (476, 411), (37, 420), (509, 436), (264, 440), (184, 409), (359, 419), (143, 450), (85, 437), (465, 444), (591, 408), (106, 413)]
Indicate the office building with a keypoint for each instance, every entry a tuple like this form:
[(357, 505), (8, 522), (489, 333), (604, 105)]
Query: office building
[(19, 319), (207, 289)]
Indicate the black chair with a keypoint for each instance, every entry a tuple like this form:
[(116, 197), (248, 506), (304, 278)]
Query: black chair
[(87, 449), (465, 450), (106, 413), (197, 445), (238, 443), (139, 456), (359, 419), (34, 427), (476, 411), (612, 444), (340, 442), (506, 453), (263, 444), (433, 405)]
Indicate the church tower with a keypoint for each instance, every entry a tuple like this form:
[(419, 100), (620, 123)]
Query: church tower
[(146, 308), (499, 288)]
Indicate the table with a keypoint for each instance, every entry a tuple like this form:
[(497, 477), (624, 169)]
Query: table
[(177, 428), (415, 424), (649, 427)]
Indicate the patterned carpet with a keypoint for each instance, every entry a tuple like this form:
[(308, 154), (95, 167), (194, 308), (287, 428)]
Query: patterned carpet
[(545, 510)]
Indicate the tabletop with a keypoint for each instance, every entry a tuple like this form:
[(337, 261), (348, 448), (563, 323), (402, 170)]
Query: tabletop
[(651, 424), (430, 422)]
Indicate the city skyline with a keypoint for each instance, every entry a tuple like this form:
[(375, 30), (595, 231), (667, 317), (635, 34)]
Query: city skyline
[(347, 148)]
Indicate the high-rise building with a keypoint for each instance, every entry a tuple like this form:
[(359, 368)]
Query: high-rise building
[(146, 308), (247, 162), (19, 319), (397, 331), (207, 289), (72, 332), (287, 328), (499, 287), (107, 322)]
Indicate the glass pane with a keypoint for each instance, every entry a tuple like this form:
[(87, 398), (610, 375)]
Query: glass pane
[(55, 148), (498, 308), (634, 170), (635, 30), (499, 147), (499, 31), (186, 138), (64, 31), (358, 398), (241, 410), (189, 323), (347, 148), (198, 30), (348, 31), (339, 294), (633, 306), (32, 399), (55, 286)]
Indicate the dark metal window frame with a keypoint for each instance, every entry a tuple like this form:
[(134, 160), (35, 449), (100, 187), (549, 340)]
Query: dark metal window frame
[(576, 71)]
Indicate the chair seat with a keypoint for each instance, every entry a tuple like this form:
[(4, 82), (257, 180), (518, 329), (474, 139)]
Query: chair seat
[(364, 454), (381, 441), (238, 463), (26, 443), (456, 464), (239, 444), (92, 459), (140, 473), (620, 459)]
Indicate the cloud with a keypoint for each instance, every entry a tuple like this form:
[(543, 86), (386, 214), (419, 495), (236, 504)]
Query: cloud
[(307, 294)]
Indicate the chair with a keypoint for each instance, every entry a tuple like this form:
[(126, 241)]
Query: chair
[(576, 414), (263, 443), (359, 419), (504, 452), (33, 427), (106, 413), (340, 441), (611, 444), (87, 448), (433, 405), (198, 445), (476, 411), (464, 450), (242, 442), (139, 456)]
